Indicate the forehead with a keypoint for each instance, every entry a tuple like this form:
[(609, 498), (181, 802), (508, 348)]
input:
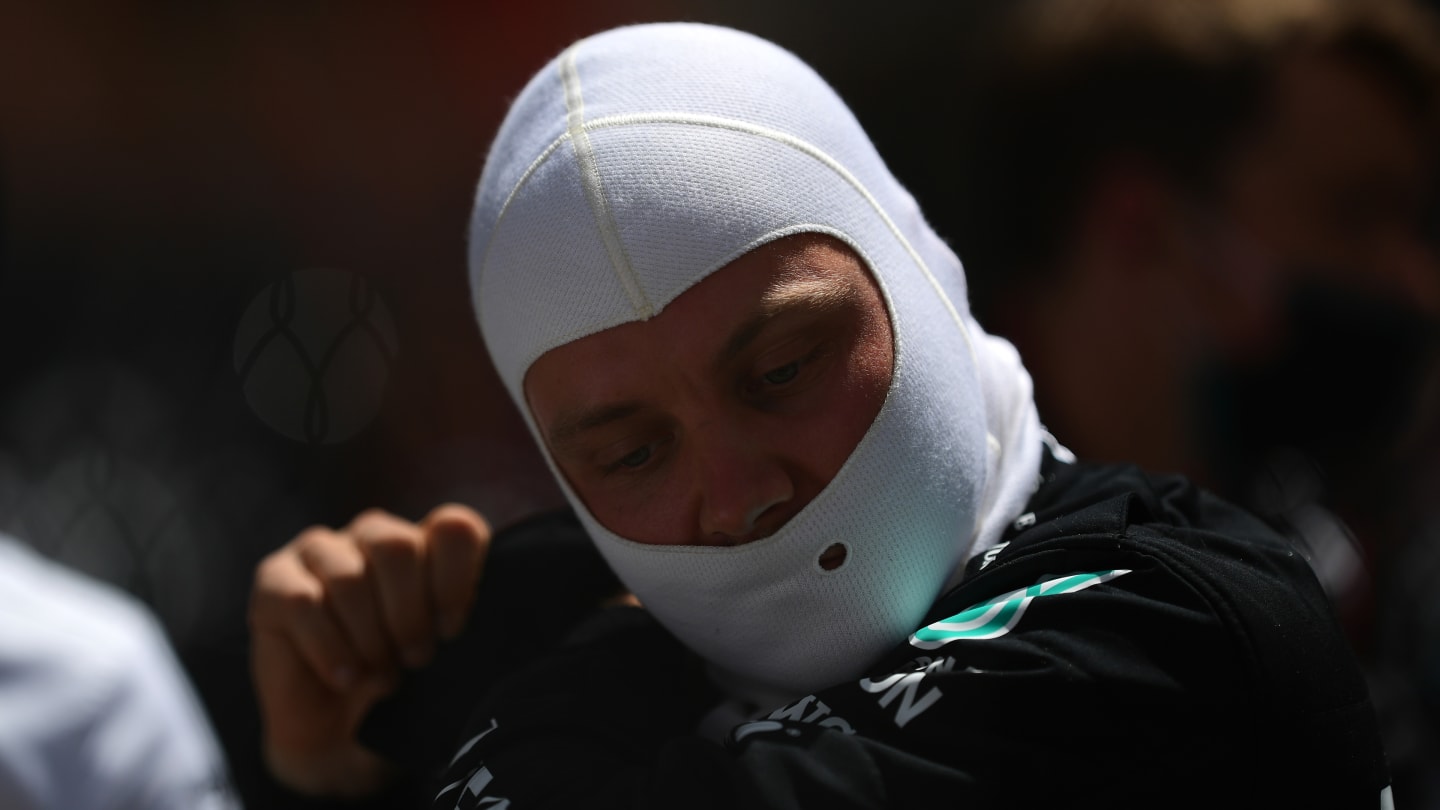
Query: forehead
[(794, 273)]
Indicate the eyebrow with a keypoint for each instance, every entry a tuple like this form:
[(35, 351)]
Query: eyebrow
[(820, 296), (815, 295), (571, 425)]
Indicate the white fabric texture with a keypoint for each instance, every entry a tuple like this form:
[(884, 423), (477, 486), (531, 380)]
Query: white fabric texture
[(640, 161), (95, 711)]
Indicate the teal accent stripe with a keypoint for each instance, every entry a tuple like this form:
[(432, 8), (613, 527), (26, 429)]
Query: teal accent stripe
[(996, 617)]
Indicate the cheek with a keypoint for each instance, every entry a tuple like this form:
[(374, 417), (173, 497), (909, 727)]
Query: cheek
[(874, 366), (653, 513), (865, 395), (828, 436)]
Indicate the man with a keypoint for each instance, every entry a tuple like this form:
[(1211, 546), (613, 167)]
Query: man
[(1209, 228), (868, 577), (1204, 225)]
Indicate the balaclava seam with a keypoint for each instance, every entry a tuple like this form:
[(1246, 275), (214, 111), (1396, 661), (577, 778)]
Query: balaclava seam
[(595, 186)]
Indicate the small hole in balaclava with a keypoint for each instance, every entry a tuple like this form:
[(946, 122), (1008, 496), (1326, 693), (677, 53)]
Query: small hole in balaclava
[(833, 557)]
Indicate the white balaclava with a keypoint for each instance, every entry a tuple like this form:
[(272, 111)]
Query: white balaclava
[(640, 161)]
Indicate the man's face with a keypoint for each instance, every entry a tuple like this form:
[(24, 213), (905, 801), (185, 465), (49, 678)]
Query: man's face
[(719, 419), (1332, 184)]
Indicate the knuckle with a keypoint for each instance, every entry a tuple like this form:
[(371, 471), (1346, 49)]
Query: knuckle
[(283, 604), (298, 600), (346, 583), (334, 560), (270, 569), (277, 579), (461, 513), (393, 546), (459, 519), (312, 537), (372, 519)]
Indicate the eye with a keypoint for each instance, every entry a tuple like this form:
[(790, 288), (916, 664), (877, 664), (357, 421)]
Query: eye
[(783, 374), (635, 458), (635, 455)]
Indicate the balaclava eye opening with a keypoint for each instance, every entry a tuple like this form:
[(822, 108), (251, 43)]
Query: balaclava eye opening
[(640, 161)]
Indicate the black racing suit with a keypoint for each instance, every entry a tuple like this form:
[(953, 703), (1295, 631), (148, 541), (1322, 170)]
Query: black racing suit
[(1133, 641)]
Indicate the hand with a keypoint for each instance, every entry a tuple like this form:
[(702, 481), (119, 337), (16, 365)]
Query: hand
[(335, 615)]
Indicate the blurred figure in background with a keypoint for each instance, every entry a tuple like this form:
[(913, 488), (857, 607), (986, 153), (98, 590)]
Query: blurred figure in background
[(95, 711), (1204, 225)]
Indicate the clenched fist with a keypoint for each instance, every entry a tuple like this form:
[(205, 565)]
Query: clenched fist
[(335, 615)]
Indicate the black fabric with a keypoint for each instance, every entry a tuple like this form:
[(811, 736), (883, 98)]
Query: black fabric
[(1182, 656), (542, 577)]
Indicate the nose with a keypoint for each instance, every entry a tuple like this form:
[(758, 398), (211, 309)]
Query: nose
[(740, 480)]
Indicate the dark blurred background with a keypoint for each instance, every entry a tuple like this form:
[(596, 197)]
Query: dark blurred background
[(232, 267)]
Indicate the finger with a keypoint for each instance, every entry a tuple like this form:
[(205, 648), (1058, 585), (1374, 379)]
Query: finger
[(288, 602), (394, 551), (340, 566), (457, 543)]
